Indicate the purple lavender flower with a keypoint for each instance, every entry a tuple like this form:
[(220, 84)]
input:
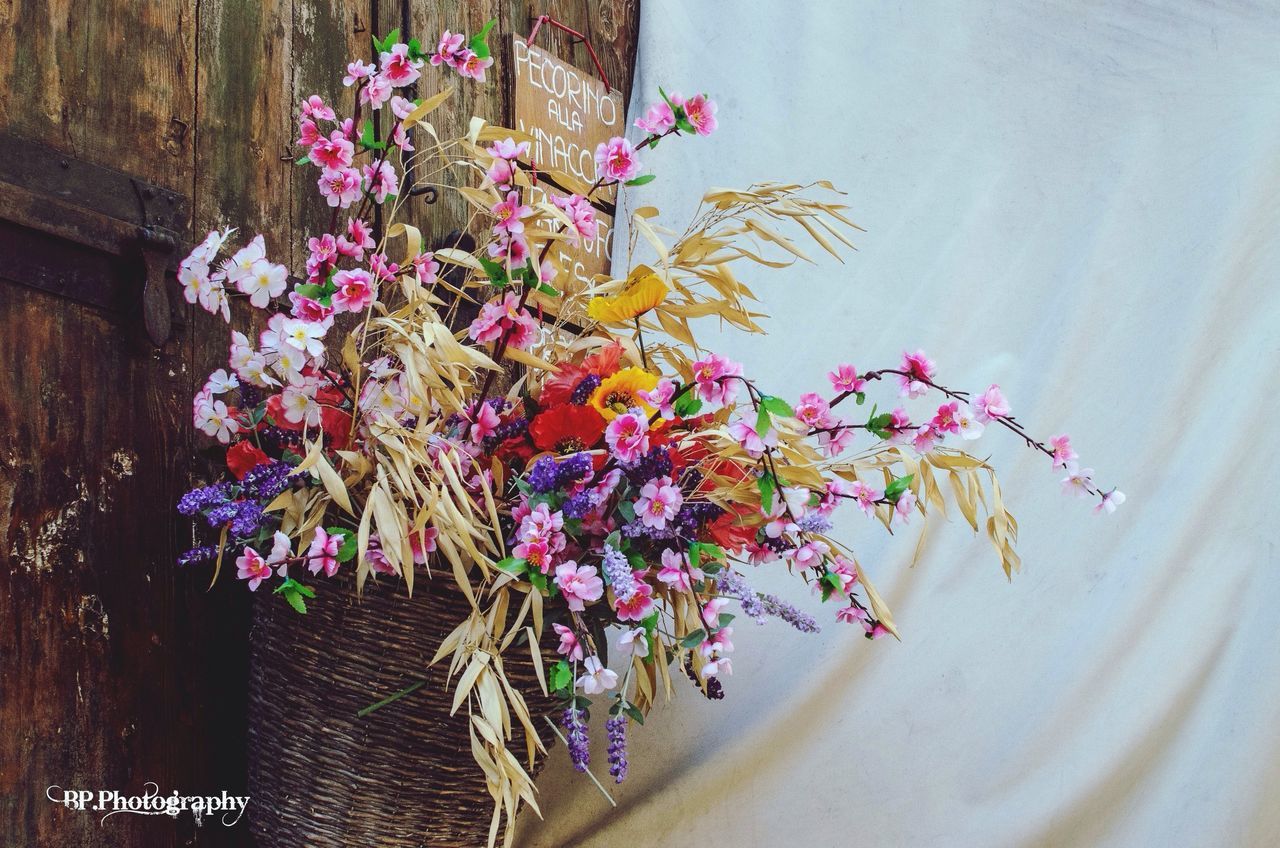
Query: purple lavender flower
[(542, 476), (575, 733), (656, 463), (617, 727), (801, 621), (583, 391), (813, 522), (204, 497), (732, 584), (248, 520), (579, 505), (573, 469), (222, 514), (618, 572), (267, 480), (206, 553)]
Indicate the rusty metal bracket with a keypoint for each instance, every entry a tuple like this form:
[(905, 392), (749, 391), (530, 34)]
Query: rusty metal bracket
[(91, 234)]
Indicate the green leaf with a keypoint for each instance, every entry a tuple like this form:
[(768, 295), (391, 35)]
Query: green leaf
[(764, 422), (634, 713), (694, 639), (641, 180), (627, 510), (539, 580), (860, 398), (561, 676), (293, 592), (349, 543), (725, 619), (306, 591), (695, 555), (895, 489), (687, 405), (479, 43), (683, 124), (777, 406), (385, 45), (305, 160), (548, 289), (766, 487), (666, 98), (259, 411), (513, 565), (877, 423), (496, 273), (415, 50), (310, 290), (367, 139)]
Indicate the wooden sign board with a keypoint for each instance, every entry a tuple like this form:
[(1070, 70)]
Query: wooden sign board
[(567, 112)]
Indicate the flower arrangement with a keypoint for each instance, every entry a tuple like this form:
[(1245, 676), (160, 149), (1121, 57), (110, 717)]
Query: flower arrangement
[(628, 478)]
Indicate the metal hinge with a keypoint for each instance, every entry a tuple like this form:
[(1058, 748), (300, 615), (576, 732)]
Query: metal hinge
[(90, 233)]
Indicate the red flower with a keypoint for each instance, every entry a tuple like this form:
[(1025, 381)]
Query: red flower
[(729, 532), (336, 424), (567, 429), (557, 388), (242, 457)]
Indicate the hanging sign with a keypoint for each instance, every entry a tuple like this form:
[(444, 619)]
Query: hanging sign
[(567, 112)]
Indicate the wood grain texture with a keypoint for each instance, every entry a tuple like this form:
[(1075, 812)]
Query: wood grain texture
[(116, 668)]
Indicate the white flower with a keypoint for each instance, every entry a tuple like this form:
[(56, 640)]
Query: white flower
[(207, 250), (239, 266), (306, 336), (633, 643), (194, 277), (300, 405), (254, 371), (281, 549), (970, 427), (598, 679), (220, 382), (1077, 481), (264, 281), (215, 420), (1110, 501)]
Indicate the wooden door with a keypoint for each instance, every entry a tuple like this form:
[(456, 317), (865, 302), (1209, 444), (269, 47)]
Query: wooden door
[(116, 667)]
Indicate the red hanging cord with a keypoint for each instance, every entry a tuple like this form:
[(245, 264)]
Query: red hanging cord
[(547, 19)]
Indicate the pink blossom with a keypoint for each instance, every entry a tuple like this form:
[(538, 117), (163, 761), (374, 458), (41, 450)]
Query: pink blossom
[(355, 290), (402, 107), (501, 172), (836, 441), (308, 133), (381, 179), (1063, 453), (660, 397), (945, 420), (634, 643), (447, 49), (701, 112), (919, 368), (831, 497), (400, 138), (469, 64), (659, 502), (510, 213), (1078, 481), (758, 554), (508, 148), (356, 71), (638, 606), (865, 496), (715, 379), (810, 554), (900, 426), (484, 423), (751, 441), (313, 107), (340, 187), (813, 410), (398, 68), (875, 631), (513, 251), (616, 160), (780, 520), (924, 439), (675, 571), (581, 213), (1110, 501), (307, 309), (426, 267), (376, 92), (281, 549), (717, 643), (711, 611), (717, 667), (383, 270), (334, 152), (323, 553), (598, 679), (990, 404), (628, 436), (541, 523), (422, 542), (569, 648), (851, 614), (846, 572), (359, 238), (845, 379), (658, 118), (537, 553), (904, 506), (252, 567), (578, 584)]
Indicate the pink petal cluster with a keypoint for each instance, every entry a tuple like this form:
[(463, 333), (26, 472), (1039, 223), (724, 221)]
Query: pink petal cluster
[(628, 436), (659, 502), (505, 317), (714, 380), (578, 584), (581, 213), (918, 369), (616, 160)]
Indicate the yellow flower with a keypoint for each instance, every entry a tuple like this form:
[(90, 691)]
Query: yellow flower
[(619, 392), (638, 298)]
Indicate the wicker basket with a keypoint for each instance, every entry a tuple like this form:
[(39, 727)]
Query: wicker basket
[(401, 776)]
